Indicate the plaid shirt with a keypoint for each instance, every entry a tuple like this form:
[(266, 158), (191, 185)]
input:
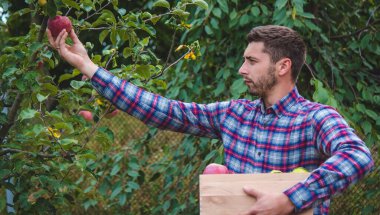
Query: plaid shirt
[(292, 133)]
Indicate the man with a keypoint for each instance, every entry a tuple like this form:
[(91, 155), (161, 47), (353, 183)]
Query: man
[(279, 131)]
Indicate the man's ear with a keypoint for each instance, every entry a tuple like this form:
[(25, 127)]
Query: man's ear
[(284, 66)]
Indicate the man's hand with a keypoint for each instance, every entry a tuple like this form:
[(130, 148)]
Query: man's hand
[(269, 203), (76, 54)]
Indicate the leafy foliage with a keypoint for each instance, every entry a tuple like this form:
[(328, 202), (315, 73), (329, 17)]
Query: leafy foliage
[(54, 161)]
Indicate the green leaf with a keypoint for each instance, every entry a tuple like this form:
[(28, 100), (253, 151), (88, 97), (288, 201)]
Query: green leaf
[(66, 76), (90, 156), (367, 127), (208, 30), (223, 5), (115, 170), (66, 127), (364, 42), (143, 70), (71, 3), (372, 114), (202, 4), (280, 3), (9, 72), (51, 8), (255, 11), (55, 114), (210, 155), (41, 98), (67, 143), (103, 35), (133, 185), (244, 20), (218, 13), (181, 13), (116, 192), (89, 203), (306, 15), (77, 84), (35, 46), (28, 114), (122, 199), (162, 3), (133, 165), (50, 88)]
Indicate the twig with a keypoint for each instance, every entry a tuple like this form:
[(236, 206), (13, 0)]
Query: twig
[(109, 60), (310, 69), (87, 138), (96, 12), (165, 69), (99, 28), (11, 117), (356, 32), (5, 151), (158, 16), (171, 48)]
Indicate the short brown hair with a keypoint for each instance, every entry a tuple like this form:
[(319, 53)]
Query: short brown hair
[(280, 42)]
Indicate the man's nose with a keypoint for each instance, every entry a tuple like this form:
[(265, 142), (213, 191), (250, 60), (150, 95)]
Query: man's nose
[(242, 70)]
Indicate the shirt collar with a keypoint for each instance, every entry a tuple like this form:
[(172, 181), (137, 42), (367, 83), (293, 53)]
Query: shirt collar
[(283, 105)]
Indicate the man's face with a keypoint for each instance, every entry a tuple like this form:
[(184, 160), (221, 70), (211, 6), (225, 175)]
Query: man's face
[(257, 70)]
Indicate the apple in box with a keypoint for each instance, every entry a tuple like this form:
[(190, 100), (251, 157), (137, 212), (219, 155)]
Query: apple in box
[(215, 169), (57, 24)]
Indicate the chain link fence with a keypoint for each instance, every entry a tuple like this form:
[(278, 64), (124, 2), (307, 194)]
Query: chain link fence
[(361, 198)]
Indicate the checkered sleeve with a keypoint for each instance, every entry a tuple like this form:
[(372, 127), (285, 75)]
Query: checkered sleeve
[(348, 160), (157, 111)]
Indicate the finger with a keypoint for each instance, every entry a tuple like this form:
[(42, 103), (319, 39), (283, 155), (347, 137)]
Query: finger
[(59, 38), (74, 37), (60, 42), (50, 38), (252, 192)]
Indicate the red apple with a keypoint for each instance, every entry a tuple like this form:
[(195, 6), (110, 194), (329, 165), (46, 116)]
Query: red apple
[(112, 114), (215, 169), (87, 115), (58, 23)]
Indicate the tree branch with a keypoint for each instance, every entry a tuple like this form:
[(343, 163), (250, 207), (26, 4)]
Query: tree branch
[(5, 151), (356, 32)]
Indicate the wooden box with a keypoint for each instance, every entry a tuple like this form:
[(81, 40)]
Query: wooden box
[(222, 194)]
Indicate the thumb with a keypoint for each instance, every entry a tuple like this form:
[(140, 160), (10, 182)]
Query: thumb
[(253, 192)]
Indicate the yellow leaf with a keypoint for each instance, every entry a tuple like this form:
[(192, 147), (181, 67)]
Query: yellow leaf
[(193, 57), (180, 47), (54, 132), (187, 56), (294, 13), (99, 102), (188, 26)]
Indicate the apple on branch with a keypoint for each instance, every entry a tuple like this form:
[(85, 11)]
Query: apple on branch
[(112, 114), (87, 115), (57, 24)]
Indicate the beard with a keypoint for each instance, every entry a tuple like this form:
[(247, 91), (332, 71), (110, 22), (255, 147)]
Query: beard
[(264, 84)]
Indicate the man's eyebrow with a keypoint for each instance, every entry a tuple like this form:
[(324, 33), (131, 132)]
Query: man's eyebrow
[(250, 58)]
